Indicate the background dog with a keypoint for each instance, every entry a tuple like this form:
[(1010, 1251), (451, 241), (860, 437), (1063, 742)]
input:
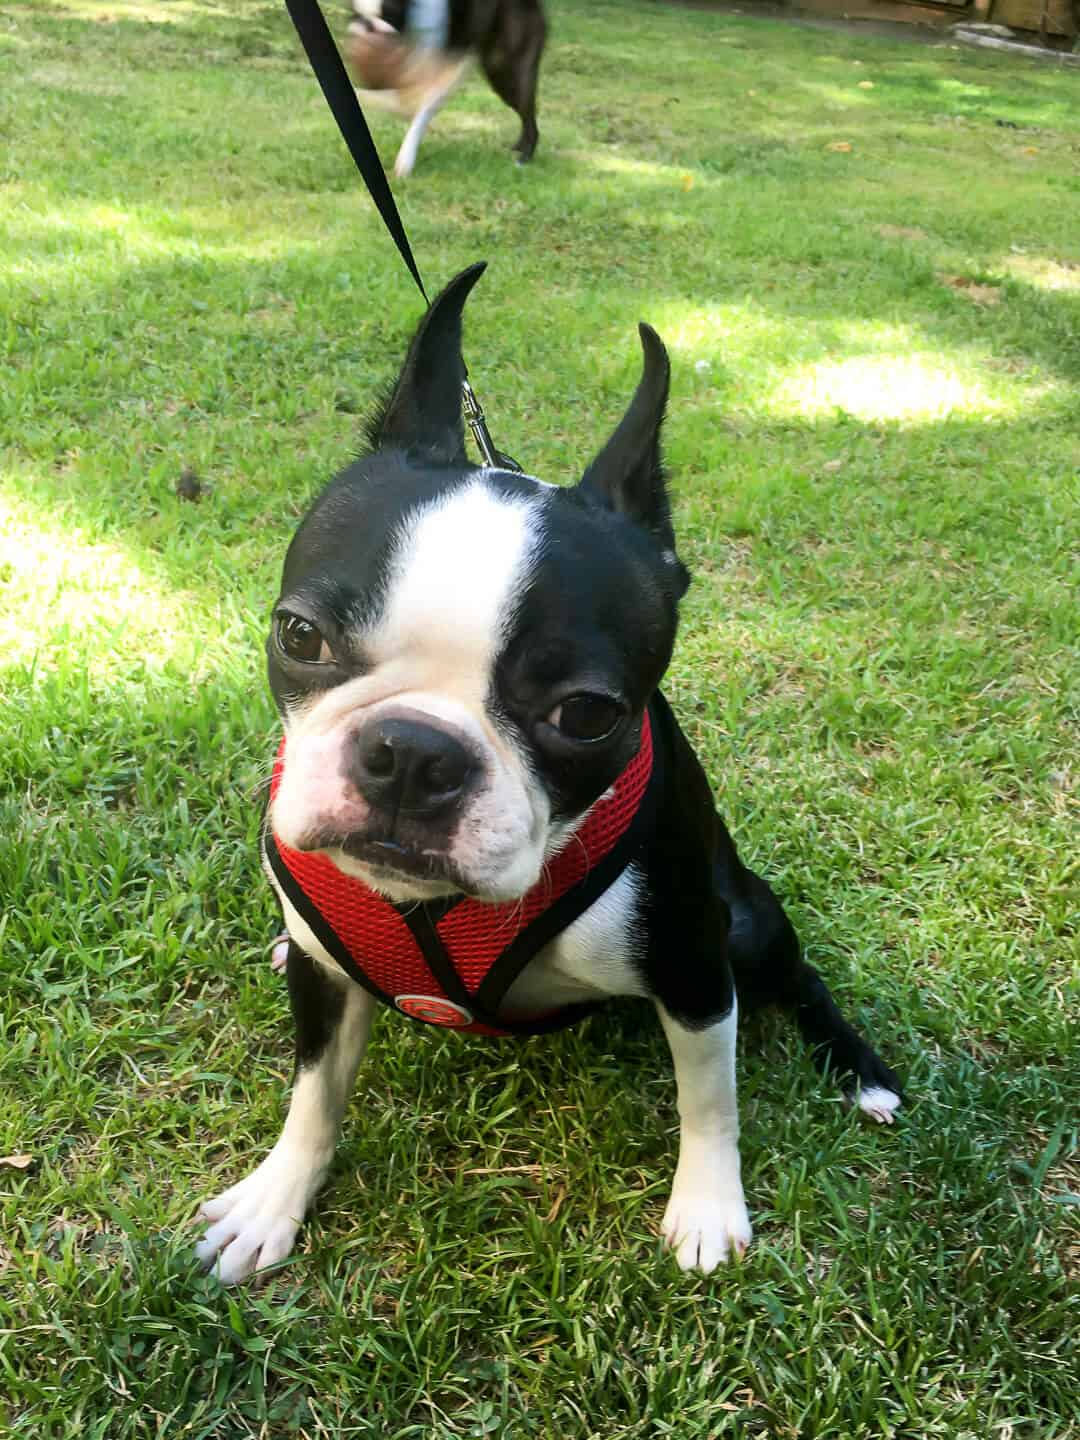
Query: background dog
[(466, 662), (506, 36)]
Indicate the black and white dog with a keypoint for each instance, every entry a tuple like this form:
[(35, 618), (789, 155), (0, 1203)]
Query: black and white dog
[(467, 664), (506, 36)]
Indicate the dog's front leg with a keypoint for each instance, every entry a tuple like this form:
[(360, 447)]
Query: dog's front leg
[(254, 1223), (706, 1216), (447, 76)]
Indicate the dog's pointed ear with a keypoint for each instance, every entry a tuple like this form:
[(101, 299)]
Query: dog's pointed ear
[(423, 414), (628, 474)]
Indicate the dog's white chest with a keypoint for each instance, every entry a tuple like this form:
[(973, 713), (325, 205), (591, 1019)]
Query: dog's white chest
[(593, 957)]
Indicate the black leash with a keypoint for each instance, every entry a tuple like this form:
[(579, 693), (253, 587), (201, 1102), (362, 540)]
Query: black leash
[(341, 97)]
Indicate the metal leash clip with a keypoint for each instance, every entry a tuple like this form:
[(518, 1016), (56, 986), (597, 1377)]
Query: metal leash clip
[(474, 414)]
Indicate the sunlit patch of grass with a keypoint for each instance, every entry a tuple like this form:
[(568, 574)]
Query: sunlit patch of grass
[(148, 12), (884, 387), (91, 595), (1045, 272), (48, 241), (65, 593)]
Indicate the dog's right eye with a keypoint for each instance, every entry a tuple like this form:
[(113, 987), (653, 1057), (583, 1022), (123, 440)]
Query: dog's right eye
[(300, 640)]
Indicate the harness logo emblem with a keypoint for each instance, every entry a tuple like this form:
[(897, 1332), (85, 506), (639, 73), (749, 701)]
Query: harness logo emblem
[(433, 1009)]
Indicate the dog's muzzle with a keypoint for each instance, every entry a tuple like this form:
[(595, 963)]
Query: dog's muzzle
[(405, 766)]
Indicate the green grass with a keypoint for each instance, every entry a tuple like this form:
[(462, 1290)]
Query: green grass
[(877, 471)]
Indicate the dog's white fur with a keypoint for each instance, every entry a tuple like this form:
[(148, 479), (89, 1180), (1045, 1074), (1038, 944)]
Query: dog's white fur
[(457, 566), (433, 97), (880, 1104), (706, 1219), (253, 1224)]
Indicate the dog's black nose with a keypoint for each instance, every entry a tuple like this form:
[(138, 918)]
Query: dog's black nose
[(409, 767)]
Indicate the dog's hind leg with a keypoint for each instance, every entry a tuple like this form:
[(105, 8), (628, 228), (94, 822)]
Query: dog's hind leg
[(764, 954), (254, 1223), (434, 99), (511, 63)]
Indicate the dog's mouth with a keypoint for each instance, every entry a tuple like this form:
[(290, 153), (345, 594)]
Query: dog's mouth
[(393, 864)]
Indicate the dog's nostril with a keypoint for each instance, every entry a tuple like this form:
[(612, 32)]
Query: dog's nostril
[(379, 761), (441, 776)]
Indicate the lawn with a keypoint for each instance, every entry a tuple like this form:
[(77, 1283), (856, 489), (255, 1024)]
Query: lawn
[(864, 255)]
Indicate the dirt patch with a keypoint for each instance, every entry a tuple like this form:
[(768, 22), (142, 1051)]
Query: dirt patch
[(901, 232), (911, 31), (972, 290)]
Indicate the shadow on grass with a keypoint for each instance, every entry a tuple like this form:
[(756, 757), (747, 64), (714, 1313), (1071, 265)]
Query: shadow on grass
[(101, 404)]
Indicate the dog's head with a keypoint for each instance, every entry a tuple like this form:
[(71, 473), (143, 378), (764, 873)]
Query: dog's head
[(462, 656)]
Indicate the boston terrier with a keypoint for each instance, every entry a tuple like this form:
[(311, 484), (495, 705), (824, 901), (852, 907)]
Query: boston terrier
[(506, 36), (483, 812)]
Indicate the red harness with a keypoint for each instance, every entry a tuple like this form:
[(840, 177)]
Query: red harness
[(450, 962)]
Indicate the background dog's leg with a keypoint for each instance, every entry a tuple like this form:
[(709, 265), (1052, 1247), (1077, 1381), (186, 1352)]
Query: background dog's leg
[(391, 100), (706, 1216), (434, 100), (254, 1223), (512, 69)]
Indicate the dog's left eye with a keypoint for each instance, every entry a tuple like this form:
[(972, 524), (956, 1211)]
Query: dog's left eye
[(300, 640), (586, 717)]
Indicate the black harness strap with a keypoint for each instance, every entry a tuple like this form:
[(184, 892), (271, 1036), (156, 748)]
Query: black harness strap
[(340, 95), (316, 921), (578, 898), (422, 927)]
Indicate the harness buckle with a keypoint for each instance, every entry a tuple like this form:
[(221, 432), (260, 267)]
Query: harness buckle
[(434, 1009)]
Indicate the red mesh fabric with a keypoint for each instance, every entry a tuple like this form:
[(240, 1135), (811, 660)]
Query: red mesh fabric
[(474, 934)]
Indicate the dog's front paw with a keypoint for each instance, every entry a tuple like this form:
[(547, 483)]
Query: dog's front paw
[(704, 1230), (877, 1102), (279, 953), (254, 1223)]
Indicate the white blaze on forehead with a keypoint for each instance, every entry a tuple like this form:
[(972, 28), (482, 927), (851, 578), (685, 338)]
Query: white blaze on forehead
[(459, 566)]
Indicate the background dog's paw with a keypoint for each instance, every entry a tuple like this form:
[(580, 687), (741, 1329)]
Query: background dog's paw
[(704, 1230), (254, 1223)]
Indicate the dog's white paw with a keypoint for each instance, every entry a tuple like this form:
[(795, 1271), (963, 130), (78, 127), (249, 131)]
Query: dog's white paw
[(254, 1223), (279, 954), (704, 1230), (403, 165), (880, 1104)]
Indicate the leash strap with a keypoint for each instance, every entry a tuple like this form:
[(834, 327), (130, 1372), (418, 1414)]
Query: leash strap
[(330, 72)]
